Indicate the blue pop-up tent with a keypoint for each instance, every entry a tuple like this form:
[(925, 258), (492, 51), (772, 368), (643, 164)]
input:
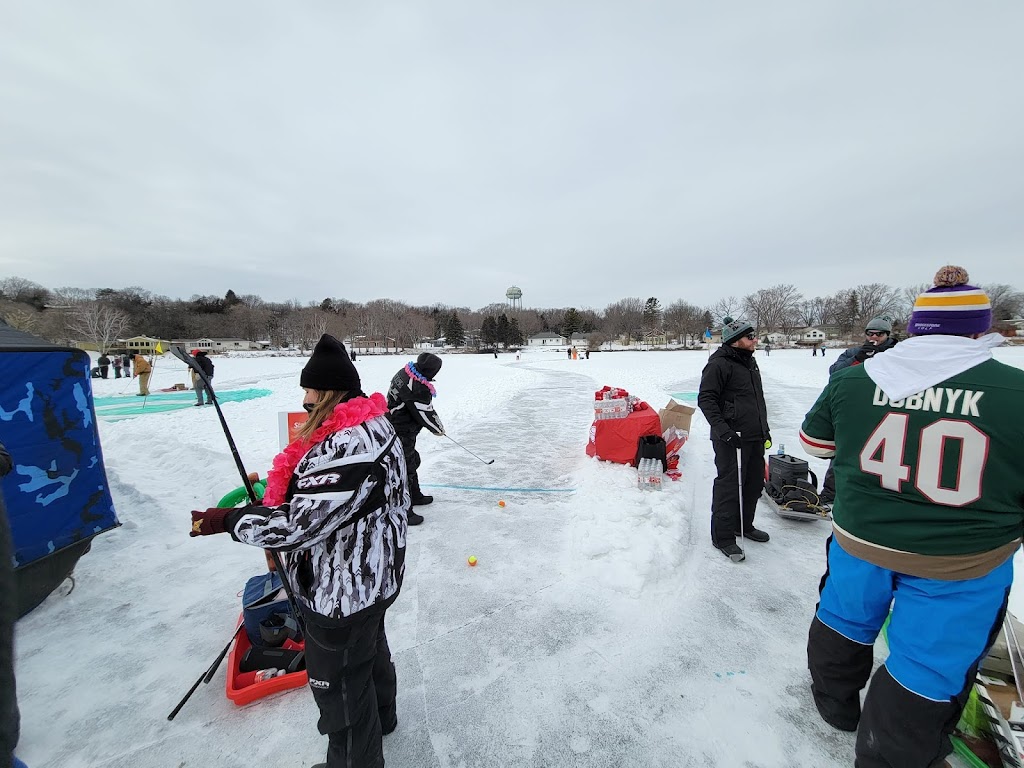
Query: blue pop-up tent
[(56, 495)]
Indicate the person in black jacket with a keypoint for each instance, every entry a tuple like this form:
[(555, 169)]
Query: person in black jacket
[(878, 335), (732, 400), (335, 510), (104, 364), (197, 383), (410, 408)]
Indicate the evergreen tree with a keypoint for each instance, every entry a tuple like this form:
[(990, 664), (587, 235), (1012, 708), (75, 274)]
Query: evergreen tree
[(652, 314), (489, 331), (502, 330), (230, 299), (571, 323), (454, 333), (515, 336)]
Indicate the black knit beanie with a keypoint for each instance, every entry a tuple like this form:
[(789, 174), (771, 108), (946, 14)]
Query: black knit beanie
[(329, 367), (428, 364)]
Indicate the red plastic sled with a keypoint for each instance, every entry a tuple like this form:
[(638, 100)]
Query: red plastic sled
[(242, 688)]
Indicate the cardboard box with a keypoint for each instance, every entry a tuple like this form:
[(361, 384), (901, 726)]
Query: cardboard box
[(676, 415)]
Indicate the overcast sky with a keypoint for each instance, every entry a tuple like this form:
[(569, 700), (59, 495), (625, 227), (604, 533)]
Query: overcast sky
[(440, 151)]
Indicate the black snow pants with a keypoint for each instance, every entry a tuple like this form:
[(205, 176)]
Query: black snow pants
[(354, 684), (412, 463), (9, 719), (725, 497)]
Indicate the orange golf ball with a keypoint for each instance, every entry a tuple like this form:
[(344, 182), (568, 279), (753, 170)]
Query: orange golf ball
[(501, 503), (472, 560)]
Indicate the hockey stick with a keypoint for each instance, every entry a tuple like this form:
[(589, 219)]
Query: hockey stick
[(485, 461), (207, 676)]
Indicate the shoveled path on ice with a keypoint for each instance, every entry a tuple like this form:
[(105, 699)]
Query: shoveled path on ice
[(621, 648)]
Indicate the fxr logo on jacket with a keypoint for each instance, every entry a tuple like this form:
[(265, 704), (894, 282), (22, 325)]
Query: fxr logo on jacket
[(318, 481)]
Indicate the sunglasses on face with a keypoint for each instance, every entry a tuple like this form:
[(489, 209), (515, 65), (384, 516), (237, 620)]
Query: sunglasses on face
[(879, 334), (752, 336)]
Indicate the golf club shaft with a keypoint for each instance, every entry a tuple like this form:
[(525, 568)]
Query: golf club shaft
[(485, 461)]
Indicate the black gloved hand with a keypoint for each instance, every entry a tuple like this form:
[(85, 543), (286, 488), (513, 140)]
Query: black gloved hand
[(731, 439), (870, 349)]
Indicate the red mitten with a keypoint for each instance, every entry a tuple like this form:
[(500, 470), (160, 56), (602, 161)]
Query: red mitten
[(209, 522)]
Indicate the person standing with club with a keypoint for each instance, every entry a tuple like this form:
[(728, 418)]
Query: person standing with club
[(143, 370), (198, 384), (928, 514), (732, 400), (411, 408), (335, 511)]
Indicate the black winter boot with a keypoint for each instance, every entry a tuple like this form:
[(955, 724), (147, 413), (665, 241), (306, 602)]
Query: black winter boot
[(422, 500), (733, 552), (839, 670), (755, 534), (415, 519)]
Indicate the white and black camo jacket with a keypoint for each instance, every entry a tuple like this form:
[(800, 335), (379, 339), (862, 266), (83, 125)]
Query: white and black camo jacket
[(341, 534)]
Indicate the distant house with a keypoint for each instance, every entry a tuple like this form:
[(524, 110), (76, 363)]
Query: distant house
[(775, 338), (547, 339), (654, 339), (579, 340), (437, 343), (811, 336), (371, 345), (218, 345), (143, 345)]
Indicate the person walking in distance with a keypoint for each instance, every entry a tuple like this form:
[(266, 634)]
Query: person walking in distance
[(732, 400), (104, 364), (118, 364), (411, 408), (197, 383), (143, 369), (928, 513), (878, 338), (335, 510)]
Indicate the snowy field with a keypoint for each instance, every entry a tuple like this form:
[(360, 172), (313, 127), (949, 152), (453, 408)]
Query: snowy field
[(599, 629)]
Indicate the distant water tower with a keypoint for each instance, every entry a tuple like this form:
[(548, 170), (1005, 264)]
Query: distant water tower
[(515, 297)]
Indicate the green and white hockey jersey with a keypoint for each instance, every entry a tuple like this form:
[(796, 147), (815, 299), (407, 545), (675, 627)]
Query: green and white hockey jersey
[(928, 441)]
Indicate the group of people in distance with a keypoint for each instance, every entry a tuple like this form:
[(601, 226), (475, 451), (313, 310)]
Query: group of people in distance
[(928, 510)]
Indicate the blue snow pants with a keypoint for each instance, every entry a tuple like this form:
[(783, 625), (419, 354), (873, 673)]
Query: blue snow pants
[(939, 629)]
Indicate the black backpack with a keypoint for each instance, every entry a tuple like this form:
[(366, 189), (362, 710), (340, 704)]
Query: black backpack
[(652, 447), (788, 487)]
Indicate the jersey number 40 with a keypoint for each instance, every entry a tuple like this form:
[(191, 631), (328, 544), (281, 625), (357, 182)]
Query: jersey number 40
[(884, 451)]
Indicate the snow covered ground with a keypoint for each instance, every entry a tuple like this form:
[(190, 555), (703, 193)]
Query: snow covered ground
[(600, 628)]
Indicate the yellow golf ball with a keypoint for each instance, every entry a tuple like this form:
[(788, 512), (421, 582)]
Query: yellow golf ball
[(472, 560)]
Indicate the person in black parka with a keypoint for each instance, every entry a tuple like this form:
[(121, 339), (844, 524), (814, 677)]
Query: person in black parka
[(410, 408), (732, 400)]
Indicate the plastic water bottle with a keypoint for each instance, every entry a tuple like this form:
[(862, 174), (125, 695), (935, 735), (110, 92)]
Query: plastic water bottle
[(655, 475), (782, 449), (268, 674)]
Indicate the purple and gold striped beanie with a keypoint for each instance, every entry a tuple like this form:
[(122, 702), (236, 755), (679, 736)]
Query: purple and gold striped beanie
[(952, 307)]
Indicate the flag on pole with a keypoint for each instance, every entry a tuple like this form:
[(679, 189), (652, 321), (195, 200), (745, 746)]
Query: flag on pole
[(159, 349)]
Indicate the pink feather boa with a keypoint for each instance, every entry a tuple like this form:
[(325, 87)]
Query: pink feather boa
[(347, 414), (410, 368)]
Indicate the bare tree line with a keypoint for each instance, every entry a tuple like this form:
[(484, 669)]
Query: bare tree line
[(102, 316)]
